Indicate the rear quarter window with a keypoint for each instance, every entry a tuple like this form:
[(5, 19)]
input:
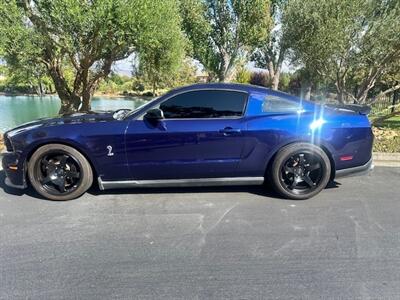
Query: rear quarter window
[(276, 104)]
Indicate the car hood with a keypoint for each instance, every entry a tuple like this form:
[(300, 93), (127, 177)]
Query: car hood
[(77, 118)]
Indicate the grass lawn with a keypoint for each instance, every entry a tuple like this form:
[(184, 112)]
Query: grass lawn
[(387, 135), (393, 123)]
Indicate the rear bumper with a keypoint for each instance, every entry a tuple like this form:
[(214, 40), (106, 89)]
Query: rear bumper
[(356, 171)]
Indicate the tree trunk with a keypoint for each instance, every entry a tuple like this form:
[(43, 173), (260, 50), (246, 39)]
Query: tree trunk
[(221, 76), (275, 68), (394, 101), (275, 80), (307, 94), (340, 96), (70, 101), (40, 87), (86, 102), (306, 87), (224, 67), (69, 104), (379, 120), (392, 89), (362, 97)]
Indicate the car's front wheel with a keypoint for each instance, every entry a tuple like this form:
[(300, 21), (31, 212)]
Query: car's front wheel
[(59, 172), (300, 171)]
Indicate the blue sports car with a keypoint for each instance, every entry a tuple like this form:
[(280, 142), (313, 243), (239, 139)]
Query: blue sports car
[(205, 134)]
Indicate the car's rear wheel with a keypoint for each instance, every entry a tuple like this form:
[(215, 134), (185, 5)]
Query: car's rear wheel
[(59, 172), (300, 171)]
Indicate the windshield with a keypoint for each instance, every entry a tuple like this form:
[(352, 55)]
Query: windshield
[(141, 106)]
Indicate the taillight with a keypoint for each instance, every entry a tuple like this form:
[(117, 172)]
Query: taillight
[(346, 157)]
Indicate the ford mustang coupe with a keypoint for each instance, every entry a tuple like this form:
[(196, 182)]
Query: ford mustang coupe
[(205, 134)]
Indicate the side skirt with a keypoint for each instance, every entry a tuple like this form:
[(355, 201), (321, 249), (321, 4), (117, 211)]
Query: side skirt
[(104, 185)]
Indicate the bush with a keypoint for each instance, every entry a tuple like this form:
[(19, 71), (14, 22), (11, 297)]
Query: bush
[(148, 94), (259, 78), (138, 86), (108, 87), (284, 82), (243, 76)]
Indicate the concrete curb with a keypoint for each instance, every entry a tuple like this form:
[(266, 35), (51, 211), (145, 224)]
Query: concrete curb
[(386, 159), (380, 159)]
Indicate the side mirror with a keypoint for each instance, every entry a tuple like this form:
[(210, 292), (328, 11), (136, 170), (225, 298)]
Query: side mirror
[(154, 115)]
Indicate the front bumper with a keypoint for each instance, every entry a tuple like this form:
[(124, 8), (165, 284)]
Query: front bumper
[(355, 171), (15, 170)]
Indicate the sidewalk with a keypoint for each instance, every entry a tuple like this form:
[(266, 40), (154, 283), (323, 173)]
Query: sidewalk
[(386, 159)]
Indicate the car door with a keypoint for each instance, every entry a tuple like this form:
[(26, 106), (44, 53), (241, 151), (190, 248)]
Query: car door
[(201, 136)]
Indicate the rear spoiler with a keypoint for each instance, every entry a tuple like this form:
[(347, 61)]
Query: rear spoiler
[(361, 109)]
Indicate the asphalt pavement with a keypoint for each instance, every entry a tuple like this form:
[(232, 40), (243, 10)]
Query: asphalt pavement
[(204, 243)]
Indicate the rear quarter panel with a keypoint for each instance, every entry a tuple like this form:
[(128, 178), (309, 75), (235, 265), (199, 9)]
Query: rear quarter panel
[(339, 134)]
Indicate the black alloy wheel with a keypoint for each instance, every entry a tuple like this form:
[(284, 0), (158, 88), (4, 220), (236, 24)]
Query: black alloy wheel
[(300, 171), (59, 172)]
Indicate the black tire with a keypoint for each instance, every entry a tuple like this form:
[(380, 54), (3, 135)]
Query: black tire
[(300, 171), (59, 172)]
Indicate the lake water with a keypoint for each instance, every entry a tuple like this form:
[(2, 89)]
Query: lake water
[(16, 110)]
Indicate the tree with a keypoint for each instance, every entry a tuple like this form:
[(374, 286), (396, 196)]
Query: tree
[(160, 59), (86, 36), (222, 32), (271, 54), (27, 79), (340, 41), (389, 82)]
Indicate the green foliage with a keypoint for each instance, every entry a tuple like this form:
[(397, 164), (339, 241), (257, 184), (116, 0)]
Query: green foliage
[(185, 75), (140, 84), (350, 43), (115, 84), (161, 56), (285, 81), (393, 123), (243, 75), (86, 37), (222, 32), (272, 51)]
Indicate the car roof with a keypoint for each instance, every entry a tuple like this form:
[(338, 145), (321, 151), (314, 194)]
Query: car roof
[(248, 88), (222, 86)]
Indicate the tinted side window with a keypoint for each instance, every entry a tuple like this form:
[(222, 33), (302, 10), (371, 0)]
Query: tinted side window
[(205, 104), (278, 104)]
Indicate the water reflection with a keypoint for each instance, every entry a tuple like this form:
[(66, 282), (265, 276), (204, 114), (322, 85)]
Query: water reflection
[(16, 110)]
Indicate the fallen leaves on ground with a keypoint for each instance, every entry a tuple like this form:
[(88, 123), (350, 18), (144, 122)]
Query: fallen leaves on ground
[(386, 140)]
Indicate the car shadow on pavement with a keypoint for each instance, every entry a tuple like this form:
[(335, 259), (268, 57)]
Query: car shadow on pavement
[(259, 190), (251, 189)]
